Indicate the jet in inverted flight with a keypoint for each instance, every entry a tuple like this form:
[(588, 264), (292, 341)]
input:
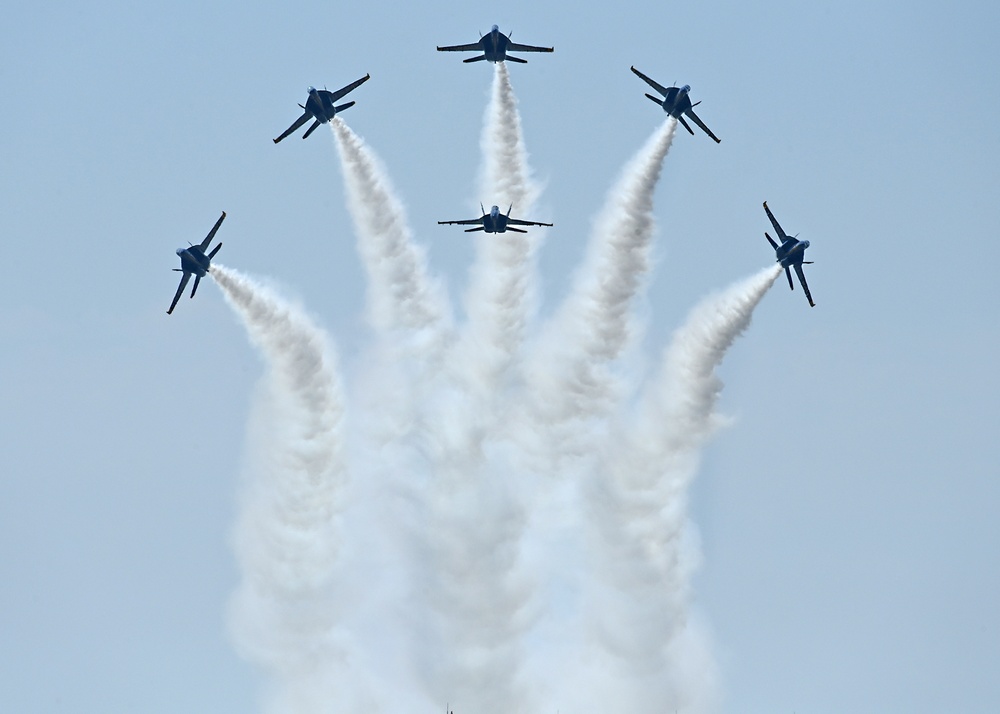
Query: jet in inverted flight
[(321, 106), (494, 46), (195, 262), (677, 103), (494, 222), (790, 254)]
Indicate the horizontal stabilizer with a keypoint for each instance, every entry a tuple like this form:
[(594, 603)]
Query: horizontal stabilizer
[(788, 274), (197, 279), (512, 58), (516, 230), (214, 251), (480, 58), (473, 230), (342, 107), (771, 241), (658, 100), (311, 129), (685, 125)]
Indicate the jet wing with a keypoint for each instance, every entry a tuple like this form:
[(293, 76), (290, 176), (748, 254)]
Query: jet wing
[(469, 222), (180, 290), (462, 48), (699, 122), (514, 47), (805, 286), (306, 116), (519, 222), (658, 87), (777, 228), (211, 233), (340, 93)]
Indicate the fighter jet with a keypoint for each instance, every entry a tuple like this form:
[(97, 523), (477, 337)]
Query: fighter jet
[(320, 106), (494, 46), (790, 254), (677, 103), (195, 262), (494, 222)]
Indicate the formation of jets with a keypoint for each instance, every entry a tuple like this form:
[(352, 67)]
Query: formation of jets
[(321, 106)]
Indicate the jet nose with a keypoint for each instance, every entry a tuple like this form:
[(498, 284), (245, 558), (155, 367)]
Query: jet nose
[(686, 88), (179, 251), (805, 244), (495, 28)]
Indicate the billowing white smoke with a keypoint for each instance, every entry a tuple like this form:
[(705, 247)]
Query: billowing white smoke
[(501, 296), (532, 545), (570, 374), (287, 538), (475, 501), (642, 544), (402, 296)]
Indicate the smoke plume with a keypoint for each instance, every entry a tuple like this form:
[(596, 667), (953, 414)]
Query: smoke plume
[(288, 538)]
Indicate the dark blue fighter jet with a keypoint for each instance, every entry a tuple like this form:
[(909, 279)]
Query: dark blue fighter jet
[(195, 262), (321, 106), (790, 254), (494, 222), (494, 46), (677, 103)]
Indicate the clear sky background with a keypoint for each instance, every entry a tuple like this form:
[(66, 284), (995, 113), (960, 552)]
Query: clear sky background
[(849, 516)]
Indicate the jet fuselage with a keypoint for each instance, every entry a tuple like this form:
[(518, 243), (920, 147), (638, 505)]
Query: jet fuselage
[(677, 101), (194, 260), (791, 252), (494, 221), (494, 45), (321, 107)]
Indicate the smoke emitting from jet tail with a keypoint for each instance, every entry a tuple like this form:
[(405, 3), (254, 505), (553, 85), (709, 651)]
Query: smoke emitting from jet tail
[(402, 295), (641, 534), (287, 538), (590, 330)]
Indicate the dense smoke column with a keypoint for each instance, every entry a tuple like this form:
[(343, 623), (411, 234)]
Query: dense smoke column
[(477, 592), (287, 537), (501, 297), (645, 555)]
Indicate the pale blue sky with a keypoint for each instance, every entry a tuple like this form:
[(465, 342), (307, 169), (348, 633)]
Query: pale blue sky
[(848, 517)]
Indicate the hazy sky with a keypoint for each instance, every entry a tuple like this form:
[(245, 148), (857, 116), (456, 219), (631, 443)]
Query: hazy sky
[(848, 515)]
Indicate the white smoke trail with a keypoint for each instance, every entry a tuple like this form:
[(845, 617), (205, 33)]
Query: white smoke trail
[(287, 538), (501, 296), (572, 377), (644, 547), (402, 295), (475, 509), (506, 175)]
